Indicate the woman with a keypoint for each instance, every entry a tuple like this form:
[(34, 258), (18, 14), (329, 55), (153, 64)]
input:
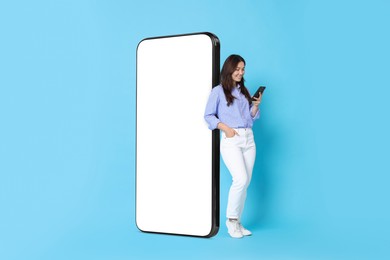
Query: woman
[(230, 108)]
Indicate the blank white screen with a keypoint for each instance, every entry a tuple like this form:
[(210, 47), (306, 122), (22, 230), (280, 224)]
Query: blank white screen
[(174, 157)]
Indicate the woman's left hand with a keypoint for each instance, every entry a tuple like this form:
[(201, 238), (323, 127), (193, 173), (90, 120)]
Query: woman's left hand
[(257, 100)]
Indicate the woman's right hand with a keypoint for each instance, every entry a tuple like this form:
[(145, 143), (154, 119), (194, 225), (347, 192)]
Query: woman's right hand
[(230, 132)]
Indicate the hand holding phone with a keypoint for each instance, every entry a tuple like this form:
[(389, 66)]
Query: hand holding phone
[(259, 91)]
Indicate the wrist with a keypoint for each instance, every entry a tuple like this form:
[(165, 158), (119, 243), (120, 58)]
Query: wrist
[(223, 127)]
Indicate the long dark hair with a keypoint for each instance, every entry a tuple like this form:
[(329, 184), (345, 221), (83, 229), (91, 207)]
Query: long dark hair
[(228, 83)]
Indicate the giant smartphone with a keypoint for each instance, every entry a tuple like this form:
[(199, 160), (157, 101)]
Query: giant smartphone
[(177, 156)]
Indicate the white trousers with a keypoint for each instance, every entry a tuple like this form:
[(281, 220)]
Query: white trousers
[(238, 154)]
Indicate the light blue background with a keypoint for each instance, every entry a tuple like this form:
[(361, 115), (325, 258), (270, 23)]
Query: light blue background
[(67, 127)]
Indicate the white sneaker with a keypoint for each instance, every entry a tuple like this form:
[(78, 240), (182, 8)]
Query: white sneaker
[(244, 231), (234, 228)]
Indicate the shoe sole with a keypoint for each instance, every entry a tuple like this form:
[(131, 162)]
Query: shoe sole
[(236, 237)]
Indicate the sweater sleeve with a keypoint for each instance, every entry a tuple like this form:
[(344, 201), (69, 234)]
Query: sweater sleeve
[(211, 111), (257, 115)]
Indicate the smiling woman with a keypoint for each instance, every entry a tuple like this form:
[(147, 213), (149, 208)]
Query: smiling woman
[(230, 108)]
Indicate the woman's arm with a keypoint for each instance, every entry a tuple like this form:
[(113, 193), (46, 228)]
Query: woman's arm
[(210, 114), (256, 103)]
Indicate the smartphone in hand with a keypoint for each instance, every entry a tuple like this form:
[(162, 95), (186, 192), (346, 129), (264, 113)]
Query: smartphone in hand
[(258, 91)]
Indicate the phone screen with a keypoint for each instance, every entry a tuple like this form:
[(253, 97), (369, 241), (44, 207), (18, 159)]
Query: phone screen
[(177, 156)]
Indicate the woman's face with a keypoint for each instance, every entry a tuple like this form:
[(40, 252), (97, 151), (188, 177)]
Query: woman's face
[(239, 72)]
